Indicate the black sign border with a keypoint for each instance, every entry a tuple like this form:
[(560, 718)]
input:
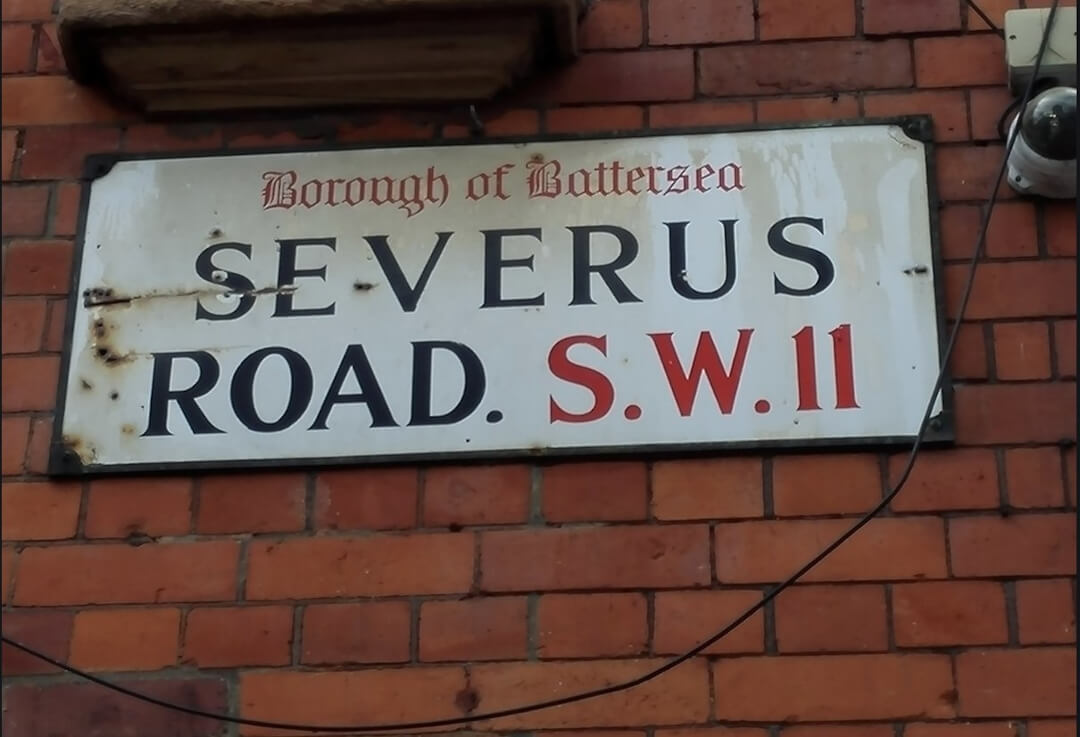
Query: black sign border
[(64, 461)]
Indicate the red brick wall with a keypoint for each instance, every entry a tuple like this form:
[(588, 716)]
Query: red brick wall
[(412, 593)]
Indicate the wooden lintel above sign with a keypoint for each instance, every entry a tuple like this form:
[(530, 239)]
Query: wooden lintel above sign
[(224, 55)]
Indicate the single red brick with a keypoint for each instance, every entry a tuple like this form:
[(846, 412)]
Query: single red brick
[(16, 436), (224, 637), (594, 733), (695, 114), (311, 568), (38, 267), (27, 9), (1051, 727), (1065, 348), (37, 454), (266, 135), (29, 383), (949, 613), (155, 137), (795, 19), (836, 730), (624, 76), (592, 492), (612, 24), (10, 150), (806, 485), (120, 574), (1016, 413), (49, 58), (262, 502), (1034, 477), (1022, 350), (475, 629), (685, 619), (70, 708), (54, 100), (24, 325), (476, 495), (1070, 475), (17, 43), (151, 506), (680, 697), (770, 550), (369, 696), (700, 21), (995, 9), (1020, 545), (1032, 289), (987, 105), (1009, 682), (831, 618), (591, 625), (1011, 232), (947, 479), (1060, 228), (387, 127), (948, 109), (909, 16), (832, 687), (55, 324), (716, 488), (813, 66), (967, 173), (828, 107), (59, 152), (45, 630), (8, 556), (959, 226), (590, 558), (366, 498), (597, 118), (498, 122), (969, 354), (65, 218), (24, 210), (713, 732), (962, 729), (371, 632), (40, 511), (125, 639), (956, 61), (1046, 611)]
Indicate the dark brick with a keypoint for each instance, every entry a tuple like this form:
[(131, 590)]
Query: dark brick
[(86, 710)]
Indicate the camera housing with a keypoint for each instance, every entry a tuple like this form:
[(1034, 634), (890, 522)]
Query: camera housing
[(1043, 158)]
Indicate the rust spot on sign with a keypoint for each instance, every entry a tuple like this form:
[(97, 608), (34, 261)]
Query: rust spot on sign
[(110, 357), (79, 448), (106, 297)]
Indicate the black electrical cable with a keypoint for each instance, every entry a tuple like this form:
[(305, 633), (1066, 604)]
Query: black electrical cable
[(986, 18), (698, 649)]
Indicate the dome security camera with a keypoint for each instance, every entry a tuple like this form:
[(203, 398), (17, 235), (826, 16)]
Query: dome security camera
[(1043, 159)]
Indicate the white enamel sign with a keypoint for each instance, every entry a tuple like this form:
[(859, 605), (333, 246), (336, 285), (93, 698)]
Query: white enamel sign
[(767, 287)]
